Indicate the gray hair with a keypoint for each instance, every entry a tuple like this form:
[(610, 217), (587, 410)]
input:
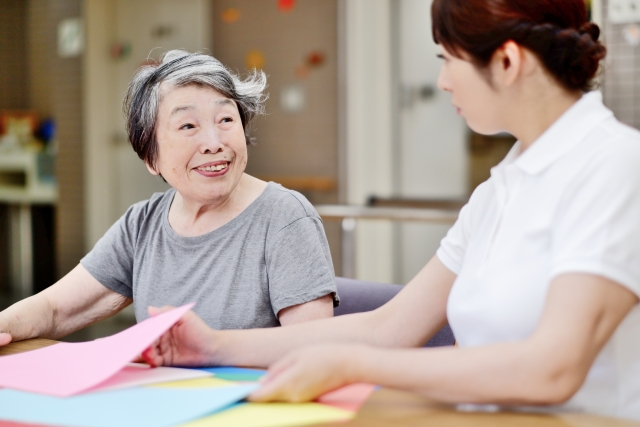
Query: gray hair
[(181, 68)]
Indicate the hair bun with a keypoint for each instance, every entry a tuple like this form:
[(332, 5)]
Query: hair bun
[(592, 29)]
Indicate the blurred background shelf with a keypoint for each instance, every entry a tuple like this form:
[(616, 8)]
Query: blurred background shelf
[(28, 193)]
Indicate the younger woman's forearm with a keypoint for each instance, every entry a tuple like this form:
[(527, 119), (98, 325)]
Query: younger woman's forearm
[(505, 374), (262, 347)]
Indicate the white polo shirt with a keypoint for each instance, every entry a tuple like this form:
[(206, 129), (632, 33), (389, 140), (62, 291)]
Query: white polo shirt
[(570, 203)]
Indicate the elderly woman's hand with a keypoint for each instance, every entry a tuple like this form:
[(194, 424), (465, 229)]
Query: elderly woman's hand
[(187, 343), (309, 372)]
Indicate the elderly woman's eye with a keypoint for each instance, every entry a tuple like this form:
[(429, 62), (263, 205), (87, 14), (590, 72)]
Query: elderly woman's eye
[(187, 126), (227, 119)]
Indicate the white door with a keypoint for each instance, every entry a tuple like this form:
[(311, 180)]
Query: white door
[(151, 27), (432, 155)]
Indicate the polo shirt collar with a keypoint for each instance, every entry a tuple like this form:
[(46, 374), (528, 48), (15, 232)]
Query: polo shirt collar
[(572, 127)]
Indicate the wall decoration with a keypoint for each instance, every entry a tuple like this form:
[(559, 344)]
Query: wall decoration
[(162, 31), (286, 6), (631, 34), (255, 59), (230, 15), (302, 71), (70, 37), (292, 99), (120, 50), (315, 59)]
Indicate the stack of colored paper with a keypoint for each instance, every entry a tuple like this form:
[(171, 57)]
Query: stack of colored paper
[(93, 384)]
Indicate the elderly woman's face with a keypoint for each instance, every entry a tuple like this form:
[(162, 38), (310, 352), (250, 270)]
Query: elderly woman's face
[(202, 150)]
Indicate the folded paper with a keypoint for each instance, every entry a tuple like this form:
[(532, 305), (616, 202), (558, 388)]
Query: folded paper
[(66, 369), (138, 374)]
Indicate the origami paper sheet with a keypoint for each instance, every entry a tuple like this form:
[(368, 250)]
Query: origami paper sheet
[(273, 415), (66, 369), (138, 374), (136, 407)]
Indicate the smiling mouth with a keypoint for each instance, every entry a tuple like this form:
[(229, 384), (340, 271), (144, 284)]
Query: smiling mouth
[(215, 168)]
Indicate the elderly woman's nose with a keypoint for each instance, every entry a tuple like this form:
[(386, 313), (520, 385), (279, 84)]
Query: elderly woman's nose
[(210, 142)]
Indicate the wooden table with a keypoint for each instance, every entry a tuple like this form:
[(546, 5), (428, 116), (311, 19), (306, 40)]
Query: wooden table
[(388, 408)]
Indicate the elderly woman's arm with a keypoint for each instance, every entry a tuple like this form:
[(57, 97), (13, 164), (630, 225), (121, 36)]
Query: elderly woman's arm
[(320, 308), (75, 301), (581, 314), (408, 320)]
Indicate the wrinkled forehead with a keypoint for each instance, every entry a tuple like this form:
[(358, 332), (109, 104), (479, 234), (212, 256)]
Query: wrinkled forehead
[(168, 87)]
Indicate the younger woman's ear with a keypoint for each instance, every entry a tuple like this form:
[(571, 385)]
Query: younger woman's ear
[(508, 62)]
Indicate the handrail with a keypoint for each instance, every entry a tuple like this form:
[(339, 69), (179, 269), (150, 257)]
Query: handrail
[(393, 214), (349, 214)]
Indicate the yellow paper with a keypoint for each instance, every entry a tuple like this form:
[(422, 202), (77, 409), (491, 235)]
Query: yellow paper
[(273, 415), (196, 383)]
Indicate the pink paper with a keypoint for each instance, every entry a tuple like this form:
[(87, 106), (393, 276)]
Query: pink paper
[(138, 374), (66, 369), (349, 398)]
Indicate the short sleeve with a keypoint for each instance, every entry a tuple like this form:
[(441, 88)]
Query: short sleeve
[(299, 264), (110, 262), (454, 245), (598, 229)]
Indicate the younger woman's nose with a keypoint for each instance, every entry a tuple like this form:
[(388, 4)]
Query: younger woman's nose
[(443, 81)]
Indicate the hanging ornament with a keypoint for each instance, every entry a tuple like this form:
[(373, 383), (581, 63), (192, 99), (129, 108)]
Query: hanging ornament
[(254, 59), (631, 34), (286, 6), (230, 15), (315, 59), (292, 99), (302, 71), (120, 50)]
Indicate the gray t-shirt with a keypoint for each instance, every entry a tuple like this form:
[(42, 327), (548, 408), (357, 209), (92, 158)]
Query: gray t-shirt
[(271, 256)]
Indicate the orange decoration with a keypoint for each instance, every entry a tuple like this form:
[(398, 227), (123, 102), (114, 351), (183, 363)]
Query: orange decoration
[(254, 59), (302, 71), (286, 5), (230, 15)]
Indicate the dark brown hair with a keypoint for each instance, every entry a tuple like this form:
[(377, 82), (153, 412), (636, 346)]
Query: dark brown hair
[(557, 31)]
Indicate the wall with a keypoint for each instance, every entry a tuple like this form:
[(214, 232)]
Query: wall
[(298, 149), (55, 90), (621, 72), (13, 46)]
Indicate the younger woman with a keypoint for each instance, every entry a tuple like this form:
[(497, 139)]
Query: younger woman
[(540, 276)]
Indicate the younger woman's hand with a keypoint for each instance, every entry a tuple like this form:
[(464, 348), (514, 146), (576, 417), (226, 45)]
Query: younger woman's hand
[(309, 372), (189, 342)]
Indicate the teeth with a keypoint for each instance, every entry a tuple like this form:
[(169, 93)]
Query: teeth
[(214, 168)]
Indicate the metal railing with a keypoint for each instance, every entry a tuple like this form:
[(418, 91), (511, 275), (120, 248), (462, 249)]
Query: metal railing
[(349, 214)]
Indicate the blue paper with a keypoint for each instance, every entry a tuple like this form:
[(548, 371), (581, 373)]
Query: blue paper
[(137, 407), (232, 373)]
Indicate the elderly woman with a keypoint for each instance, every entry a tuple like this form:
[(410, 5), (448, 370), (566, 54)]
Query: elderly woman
[(540, 276), (247, 252)]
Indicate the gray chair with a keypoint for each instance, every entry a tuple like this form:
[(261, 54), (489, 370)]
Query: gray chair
[(357, 296)]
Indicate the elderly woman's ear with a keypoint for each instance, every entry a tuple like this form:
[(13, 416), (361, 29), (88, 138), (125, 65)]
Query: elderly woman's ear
[(152, 170)]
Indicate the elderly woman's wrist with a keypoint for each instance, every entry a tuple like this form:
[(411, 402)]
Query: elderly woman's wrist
[(214, 351)]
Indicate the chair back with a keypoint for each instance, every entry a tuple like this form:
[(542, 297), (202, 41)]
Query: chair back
[(357, 296)]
